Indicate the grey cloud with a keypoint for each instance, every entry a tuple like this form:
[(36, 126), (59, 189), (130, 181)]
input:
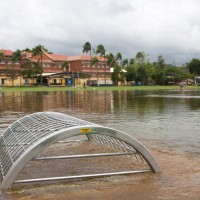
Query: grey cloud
[(118, 7), (167, 27)]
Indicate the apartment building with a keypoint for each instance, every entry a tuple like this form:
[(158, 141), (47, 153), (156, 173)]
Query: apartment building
[(53, 73), (99, 73)]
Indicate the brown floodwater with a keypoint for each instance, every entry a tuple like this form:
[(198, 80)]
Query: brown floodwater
[(166, 122)]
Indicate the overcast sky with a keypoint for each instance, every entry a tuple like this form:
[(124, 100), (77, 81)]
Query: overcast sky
[(167, 27)]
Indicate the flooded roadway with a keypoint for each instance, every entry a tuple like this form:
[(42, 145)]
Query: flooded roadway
[(167, 122)]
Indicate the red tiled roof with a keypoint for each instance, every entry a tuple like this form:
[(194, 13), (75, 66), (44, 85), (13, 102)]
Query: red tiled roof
[(34, 59), (58, 57), (51, 57), (79, 57), (6, 52), (54, 57), (83, 58)]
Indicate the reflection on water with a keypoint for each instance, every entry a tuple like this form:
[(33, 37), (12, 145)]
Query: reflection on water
[(168, 121), (157, 116)]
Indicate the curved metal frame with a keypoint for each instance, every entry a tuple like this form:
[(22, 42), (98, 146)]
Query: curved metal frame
[(70, 127)]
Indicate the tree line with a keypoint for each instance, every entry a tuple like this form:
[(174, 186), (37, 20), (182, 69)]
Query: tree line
[(140, 70)]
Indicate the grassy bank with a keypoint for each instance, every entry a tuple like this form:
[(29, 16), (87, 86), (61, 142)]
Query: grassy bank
[(39, 88)]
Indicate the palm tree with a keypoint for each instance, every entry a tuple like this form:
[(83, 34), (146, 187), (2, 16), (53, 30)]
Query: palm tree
[(102, 52), (140, 56), (118, 58), (132, 61), (125, 62), (94, 61), (38, 51), (18, 56), (88, 48), (110, 60)]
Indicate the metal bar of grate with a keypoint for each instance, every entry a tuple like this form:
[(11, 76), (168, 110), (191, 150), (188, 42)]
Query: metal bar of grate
[(81, 176), (81, 156)]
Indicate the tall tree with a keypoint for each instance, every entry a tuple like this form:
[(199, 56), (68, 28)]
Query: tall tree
[(131, 73), (117, 75), (125, 62), (11, 73), (194, 66), (118, 58), (30, 69), (88, 48), (132, 61), (94, 61), (142, 74), (140, 56), (102, 52), (18, 57), (27, 68), (110, 60), (38, 51), (161, 62)]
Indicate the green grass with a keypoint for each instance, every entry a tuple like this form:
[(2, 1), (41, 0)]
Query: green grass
[(44, 88)]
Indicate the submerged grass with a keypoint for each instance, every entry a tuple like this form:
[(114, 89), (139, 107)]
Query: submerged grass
[(45, 88)]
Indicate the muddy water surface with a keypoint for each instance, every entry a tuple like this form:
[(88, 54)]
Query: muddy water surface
[(167, 122)]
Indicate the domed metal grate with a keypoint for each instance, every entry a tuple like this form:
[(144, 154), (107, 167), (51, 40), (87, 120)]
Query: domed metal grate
[(28, 136)]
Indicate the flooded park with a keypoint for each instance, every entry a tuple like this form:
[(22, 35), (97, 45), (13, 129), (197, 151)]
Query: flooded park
[(165, 121)]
